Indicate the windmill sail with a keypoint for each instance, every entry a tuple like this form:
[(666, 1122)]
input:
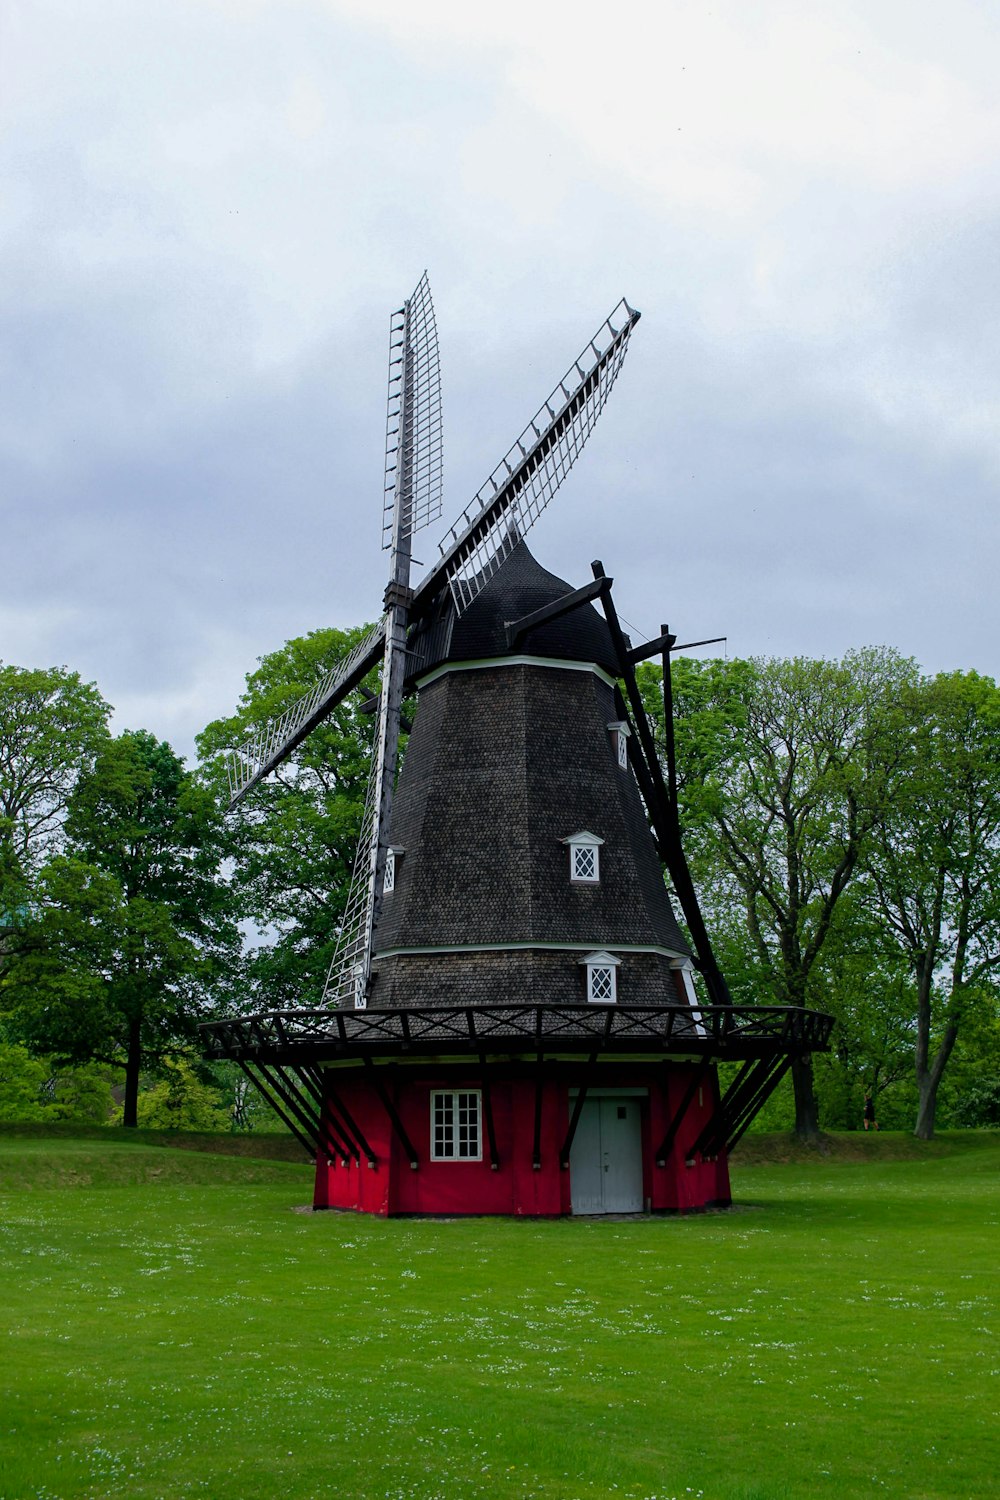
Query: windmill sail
[(266, 749), (414, 414), (504, 509), (413, 498), (348, 972), (531, 472)]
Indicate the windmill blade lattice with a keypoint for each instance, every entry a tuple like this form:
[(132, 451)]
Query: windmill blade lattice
[(414, 443), (525, 480), (266, 749), (412, 498), (348, 971)]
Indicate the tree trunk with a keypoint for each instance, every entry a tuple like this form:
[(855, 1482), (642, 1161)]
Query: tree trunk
[(926, 1109), (806, 1103), (132, 1068), (928, 1080)]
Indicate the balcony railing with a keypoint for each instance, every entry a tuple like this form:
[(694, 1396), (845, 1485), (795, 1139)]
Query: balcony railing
[(734, 1031)]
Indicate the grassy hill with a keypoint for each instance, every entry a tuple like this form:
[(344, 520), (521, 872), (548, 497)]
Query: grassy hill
[(171, 1327)]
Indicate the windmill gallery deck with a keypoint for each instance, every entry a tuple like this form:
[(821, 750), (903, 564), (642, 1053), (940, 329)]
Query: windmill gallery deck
[(515, 1021)]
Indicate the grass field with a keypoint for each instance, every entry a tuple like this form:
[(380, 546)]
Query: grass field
[(172, 1327)]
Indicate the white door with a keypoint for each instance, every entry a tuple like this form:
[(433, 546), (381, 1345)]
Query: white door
[(621, 1156), (586, 1177), (606, 1159)]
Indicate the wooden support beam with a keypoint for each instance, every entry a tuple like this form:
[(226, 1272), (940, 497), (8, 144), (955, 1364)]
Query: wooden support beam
[(555, 610), (491, 1135), (283, 1116), (337, 1137), (327, 1139), (755, 1105), (754, 1092), (372, 1073), (696, 1081), (662, 642), (662, 813), (581, 1096), (293, 1105), (360, 1145), (743, 1088), (712, 1128)]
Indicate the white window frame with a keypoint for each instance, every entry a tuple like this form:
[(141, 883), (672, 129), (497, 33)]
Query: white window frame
[(620, 733), (449, 1131), (360, 998), (584, 851), (389, 874), (604, 965)]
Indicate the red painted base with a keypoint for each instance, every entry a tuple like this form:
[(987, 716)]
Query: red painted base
[(389, 1184)]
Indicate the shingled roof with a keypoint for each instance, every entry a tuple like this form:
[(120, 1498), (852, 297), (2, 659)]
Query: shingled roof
[(517, 589)]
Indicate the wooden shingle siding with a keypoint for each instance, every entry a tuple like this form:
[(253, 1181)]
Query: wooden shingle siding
[(506, 760), (529, 976)]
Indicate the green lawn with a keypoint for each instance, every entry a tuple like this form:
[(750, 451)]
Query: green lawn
[(172, 1327)]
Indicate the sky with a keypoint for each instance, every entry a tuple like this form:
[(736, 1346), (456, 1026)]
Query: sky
[(209, 210)]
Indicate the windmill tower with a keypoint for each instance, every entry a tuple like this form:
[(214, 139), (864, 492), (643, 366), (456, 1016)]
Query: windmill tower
[(512, 1020)]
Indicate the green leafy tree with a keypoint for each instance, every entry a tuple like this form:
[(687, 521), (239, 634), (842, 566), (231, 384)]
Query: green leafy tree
[(933, 869), (51, 727), (22, 1083), (863, 979), (785, 769), (38, 1089), (293, 838), (133, 934), (181, 1100)]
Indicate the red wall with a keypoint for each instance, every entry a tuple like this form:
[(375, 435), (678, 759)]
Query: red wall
[(473, 1187)]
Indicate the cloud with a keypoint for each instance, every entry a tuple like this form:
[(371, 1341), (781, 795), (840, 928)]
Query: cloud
[(209, 211)]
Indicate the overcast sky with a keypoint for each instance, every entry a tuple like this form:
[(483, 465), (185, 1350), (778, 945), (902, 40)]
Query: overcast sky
[(208, 211)]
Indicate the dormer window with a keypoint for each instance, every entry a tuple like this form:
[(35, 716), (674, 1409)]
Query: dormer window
[(602, 979), (620, 732), (389, 878), (584, 857)]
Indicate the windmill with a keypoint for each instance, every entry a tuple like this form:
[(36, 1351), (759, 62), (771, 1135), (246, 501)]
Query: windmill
[(478, 951)]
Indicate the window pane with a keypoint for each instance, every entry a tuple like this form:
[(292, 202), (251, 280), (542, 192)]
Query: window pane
[(444, 1112), (602, 983), (455, 1131), (468, 1125)]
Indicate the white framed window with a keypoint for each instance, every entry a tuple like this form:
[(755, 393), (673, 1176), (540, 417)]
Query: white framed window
[(456, 1134), (619, 738), (360, 998), (584, 857), (602, 978), (389, 878)]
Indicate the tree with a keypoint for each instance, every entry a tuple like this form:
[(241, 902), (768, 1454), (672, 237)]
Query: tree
[(37, 1089), (182, 1101), (51, 727), (933, 869), (294, 837), (785, 768), (133, 928), (865, 982)]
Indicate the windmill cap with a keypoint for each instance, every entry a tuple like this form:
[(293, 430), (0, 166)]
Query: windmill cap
[(518, 588)]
